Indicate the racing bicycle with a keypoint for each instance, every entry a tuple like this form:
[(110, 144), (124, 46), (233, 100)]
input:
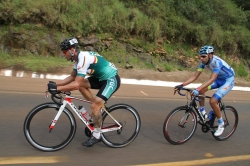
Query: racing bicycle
[(51, 126), (181, 123)]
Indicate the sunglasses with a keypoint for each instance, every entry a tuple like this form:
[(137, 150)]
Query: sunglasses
[(203, 56)]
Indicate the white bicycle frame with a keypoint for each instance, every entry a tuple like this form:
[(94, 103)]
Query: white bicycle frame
[(67, 100)]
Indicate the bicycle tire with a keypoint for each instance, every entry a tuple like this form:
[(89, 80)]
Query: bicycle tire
[(36, 127), (173, 131), (129, 118), (232, 121)]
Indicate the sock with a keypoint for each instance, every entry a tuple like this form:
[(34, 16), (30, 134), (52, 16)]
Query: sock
[(96, 133), (221, 121), (202, 110)]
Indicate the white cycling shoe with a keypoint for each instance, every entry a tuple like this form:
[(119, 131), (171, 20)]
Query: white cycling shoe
[(219, 131)]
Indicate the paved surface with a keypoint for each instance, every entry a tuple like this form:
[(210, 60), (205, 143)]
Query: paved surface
[(20, 95), (38, 86)]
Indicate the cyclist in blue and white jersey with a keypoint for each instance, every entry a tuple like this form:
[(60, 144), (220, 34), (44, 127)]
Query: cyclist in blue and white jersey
[(222, 78), (103, 76)]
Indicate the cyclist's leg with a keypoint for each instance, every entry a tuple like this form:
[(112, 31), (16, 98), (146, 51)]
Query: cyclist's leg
[(84, 89), (93, 83), (226, 86), (106, 89), (202, 102), (214, 85), (109, 87), (214, 101)]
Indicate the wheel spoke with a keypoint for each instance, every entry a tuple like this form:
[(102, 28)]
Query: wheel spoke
[(130, 121), (36, 128), (179, 125), (229, 115)]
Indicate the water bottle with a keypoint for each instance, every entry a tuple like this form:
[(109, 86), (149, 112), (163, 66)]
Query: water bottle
[(84, 113), (210, 114)]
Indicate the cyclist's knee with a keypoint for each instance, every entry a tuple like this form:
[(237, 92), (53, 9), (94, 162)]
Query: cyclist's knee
[(97, 104), (85, 84), (213, 101)]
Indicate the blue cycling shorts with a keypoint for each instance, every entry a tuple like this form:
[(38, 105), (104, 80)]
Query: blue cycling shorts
[(224, 86)]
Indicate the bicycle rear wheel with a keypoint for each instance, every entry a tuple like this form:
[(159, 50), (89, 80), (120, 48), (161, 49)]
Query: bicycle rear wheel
[(180, 125), (129, 118), (36, 127), (230, 117)]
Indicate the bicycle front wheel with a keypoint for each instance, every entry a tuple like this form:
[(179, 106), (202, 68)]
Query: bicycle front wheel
[(129, 118), (230, 117), (180, 125), (38, 134)]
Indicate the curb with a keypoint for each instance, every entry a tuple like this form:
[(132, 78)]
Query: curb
[(11, 73)]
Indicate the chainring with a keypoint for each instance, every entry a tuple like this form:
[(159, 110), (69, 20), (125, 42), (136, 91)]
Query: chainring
[(205, 127)]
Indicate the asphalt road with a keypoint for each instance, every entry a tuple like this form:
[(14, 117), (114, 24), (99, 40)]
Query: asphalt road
[(20, 95)]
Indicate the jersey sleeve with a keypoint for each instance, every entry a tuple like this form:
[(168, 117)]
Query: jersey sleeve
[(201, 67), (84, 61)]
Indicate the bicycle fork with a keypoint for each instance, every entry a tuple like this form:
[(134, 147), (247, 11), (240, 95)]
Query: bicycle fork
[(53, 122), (183, 120)]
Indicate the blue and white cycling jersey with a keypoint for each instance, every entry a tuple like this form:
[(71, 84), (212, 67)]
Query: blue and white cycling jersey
[(218, 66), (225, 80)]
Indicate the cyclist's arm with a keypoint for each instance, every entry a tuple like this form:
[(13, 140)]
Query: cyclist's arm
[(74, 85), (67, 80), (210, 81), (192, 78), (80, 69)]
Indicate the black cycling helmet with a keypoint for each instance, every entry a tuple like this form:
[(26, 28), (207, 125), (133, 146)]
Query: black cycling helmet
[(68, 43)]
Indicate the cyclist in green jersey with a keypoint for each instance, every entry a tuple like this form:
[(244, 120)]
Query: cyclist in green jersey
[(103, 76)]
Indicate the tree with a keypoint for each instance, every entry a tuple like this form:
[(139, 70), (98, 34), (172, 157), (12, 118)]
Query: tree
[(243, 3)]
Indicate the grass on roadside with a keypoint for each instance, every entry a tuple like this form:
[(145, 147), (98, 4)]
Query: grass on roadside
[(56, 64), (33, 63)]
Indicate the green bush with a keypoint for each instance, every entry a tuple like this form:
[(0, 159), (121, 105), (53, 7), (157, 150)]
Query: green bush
[(220, 23), (168, 67), (241, 70)]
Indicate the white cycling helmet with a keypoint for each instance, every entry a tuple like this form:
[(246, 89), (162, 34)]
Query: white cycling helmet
[(206, 50)]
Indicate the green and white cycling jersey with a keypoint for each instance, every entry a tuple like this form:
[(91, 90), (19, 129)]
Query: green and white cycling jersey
[(93, 64)]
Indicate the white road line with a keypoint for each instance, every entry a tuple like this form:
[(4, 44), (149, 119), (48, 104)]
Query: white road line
[(144, 93), (123, 80), (170, 84)]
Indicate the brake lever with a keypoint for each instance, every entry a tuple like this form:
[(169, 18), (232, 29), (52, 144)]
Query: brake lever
[(196, 98), (67, 93)]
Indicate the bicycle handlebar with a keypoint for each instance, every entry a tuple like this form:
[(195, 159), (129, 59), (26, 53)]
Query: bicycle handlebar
[(190, 90), (179, 91), (56, 96)]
